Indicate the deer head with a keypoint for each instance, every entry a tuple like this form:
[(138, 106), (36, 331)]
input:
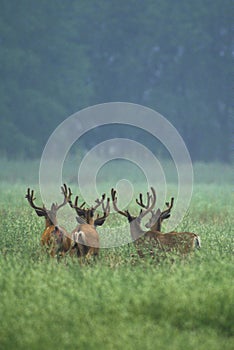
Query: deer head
[(157, 216), (49, 214), (135, 221), (87, 215)]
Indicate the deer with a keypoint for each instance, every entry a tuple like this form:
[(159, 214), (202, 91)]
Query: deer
[(85, 235), (54, 236), (183, 242)]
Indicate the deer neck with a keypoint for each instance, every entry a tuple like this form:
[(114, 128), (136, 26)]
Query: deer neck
[(91, 221), (135, 229), (49, 222), (156, 226)]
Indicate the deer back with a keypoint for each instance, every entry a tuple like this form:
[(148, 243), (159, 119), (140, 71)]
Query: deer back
[(85, 235), (86, 240), (183, 242)]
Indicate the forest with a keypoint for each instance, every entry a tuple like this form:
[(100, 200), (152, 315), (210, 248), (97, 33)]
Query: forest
[(58, 57)]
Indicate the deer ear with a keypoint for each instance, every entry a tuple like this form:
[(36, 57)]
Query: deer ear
[(165, 216), (129, 216), (53, 207), (40, 212), (80, 220), (99, 221)]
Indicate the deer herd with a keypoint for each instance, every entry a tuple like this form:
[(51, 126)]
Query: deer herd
[(84, 241)]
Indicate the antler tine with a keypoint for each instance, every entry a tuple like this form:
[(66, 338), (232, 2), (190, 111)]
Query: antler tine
[(64, 189), (29, 195), (140, 201), (69, 194), (172, 202), (114, 201), (149, 197), (149, 207), (81, 206), (106, 209)]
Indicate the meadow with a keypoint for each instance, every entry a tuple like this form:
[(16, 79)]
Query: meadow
[(119, 301)]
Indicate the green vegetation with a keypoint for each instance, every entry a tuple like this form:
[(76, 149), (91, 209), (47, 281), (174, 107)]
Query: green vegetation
[(120, 301), (57, 57), (12, 171)]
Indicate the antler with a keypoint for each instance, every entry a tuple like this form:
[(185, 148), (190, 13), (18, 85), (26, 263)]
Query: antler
[(166, 213), (88, 213), (67, 193), (140, 201), (106, 211), (148, 208), (67, 196), (41, 211), (114, 201), (79, 210), (99, 202)]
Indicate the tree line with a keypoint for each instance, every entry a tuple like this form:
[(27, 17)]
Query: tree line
[(58, 57)]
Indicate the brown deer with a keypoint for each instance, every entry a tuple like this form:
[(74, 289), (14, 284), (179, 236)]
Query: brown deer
[(85, 235), (54, 237), (182, 242)]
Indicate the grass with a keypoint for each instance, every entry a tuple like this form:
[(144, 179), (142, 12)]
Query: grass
[(120, 301), (49, 305)]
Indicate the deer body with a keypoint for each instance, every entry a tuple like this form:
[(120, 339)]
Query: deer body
[(47, 234), (86, 240), (57, 241), (183, 242), (49, 229), (85, 235), (54, 237)]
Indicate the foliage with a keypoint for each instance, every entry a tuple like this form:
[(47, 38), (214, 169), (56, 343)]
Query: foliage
[(12, 171), (119, 301), (57, 57)]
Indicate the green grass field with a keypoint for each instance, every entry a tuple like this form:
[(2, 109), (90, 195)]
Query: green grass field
[(120, 301)]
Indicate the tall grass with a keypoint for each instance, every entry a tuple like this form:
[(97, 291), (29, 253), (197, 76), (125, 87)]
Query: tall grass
[(120, 301)]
